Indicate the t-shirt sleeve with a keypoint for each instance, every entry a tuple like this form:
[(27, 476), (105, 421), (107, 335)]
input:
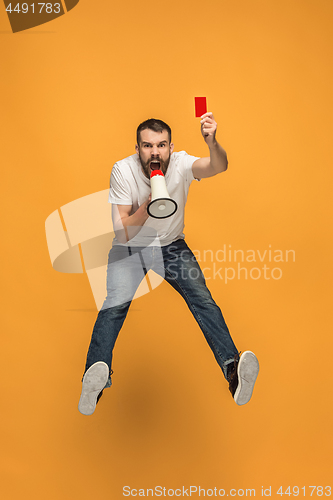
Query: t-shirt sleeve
[(188, 162), (120, 192)]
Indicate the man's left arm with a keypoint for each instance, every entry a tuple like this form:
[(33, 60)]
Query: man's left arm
[(217, 161)]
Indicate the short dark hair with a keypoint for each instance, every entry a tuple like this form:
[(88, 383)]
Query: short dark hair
[(152, 124)]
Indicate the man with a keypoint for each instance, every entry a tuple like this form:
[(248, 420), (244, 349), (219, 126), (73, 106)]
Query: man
[(143, 242)]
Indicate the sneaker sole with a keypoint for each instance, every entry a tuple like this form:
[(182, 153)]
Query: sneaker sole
[(247, 370), (93, 383)]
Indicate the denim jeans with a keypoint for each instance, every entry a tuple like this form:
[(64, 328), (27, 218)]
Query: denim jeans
[(176, 263)]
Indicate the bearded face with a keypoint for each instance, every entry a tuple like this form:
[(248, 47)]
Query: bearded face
[(154, 151)]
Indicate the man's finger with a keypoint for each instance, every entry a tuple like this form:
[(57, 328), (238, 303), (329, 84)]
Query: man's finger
[(210, 114), (207, 120)]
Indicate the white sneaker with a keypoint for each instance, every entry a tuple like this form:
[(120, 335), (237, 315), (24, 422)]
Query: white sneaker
[(243, 378), (93, 383)]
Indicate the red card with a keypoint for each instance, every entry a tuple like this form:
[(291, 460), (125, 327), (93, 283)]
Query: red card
[(200, 106)]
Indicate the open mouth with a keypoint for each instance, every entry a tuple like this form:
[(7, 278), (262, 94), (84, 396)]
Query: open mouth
[(155, 165)]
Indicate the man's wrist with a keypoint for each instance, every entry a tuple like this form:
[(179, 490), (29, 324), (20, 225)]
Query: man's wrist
[(213, 146)]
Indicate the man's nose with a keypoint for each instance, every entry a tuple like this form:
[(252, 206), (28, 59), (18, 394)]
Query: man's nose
[(155, 152)]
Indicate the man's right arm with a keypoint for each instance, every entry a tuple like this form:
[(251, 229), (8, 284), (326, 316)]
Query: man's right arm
[(127, 226)]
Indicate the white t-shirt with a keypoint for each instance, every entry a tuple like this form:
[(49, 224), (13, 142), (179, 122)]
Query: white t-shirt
[(129, 186)]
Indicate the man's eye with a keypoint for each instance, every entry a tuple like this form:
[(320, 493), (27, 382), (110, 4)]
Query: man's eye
[(162, 145)]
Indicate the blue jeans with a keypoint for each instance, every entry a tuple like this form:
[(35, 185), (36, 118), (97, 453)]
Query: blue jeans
[(176, 263)]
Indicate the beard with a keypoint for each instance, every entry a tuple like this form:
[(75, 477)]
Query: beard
[(147, 167)]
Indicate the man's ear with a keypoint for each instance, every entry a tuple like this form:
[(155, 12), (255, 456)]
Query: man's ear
[(171, 148), (137, 148)]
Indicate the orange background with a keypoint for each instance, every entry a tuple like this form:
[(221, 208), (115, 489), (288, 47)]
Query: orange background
[(72, 94)]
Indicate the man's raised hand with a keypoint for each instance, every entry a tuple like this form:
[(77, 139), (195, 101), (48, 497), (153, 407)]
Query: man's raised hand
[(208, 128)]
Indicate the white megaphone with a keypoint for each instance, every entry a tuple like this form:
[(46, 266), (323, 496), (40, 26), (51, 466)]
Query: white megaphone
[(162, 205)]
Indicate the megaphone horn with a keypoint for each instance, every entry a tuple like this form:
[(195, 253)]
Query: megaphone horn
[(161, 205)]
